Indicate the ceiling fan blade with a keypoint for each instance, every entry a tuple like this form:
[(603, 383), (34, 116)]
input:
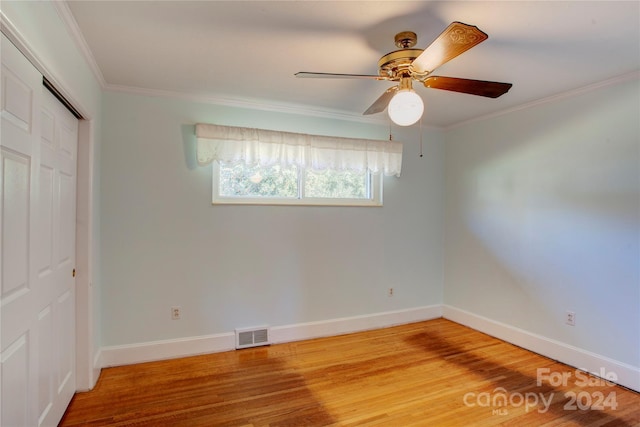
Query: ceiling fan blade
[(473, 87), (306, 75), (381, 103), (457, 38)]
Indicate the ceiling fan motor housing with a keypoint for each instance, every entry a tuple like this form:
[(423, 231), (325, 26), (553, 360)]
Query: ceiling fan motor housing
[(396, 64)]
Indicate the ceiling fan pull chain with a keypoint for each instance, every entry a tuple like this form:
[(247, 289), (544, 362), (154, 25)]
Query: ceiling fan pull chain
[(420, 136)]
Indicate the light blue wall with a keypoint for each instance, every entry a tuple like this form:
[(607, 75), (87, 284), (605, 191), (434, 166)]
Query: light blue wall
[(164, 244), (543, 216)]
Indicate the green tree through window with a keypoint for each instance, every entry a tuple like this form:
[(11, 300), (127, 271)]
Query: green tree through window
[(240, 183)]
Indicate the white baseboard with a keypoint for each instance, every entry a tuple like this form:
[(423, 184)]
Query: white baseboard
[(347, 325), (118, 355), (627, 375), (191, 346)]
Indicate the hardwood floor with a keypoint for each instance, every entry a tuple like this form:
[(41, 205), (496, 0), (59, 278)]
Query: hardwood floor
[(434, 373)]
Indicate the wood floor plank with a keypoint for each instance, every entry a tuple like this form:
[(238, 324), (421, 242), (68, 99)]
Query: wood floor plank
[(434, 373)]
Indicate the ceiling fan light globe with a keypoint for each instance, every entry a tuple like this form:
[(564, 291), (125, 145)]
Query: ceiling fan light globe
[(405, 108)]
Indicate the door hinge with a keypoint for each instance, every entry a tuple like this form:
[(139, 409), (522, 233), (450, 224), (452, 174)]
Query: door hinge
[(73, 273)]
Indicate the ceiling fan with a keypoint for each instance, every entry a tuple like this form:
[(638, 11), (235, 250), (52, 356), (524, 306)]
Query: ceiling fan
[(408, 64)]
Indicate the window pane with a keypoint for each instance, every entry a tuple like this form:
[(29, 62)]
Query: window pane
[(337, 184), (257, 181)]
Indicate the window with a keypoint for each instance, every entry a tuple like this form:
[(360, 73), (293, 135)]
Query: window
[(238, 183), (258, 166)]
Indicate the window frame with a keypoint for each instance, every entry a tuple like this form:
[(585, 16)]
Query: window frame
[(374, 183)]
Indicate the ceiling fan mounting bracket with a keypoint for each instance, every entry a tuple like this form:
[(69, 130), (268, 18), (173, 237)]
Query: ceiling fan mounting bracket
[(406, 39)]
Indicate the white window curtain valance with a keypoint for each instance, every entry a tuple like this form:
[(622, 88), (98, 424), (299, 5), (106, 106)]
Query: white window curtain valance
[(267, 148)]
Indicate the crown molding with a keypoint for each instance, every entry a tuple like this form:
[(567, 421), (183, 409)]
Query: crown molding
[(634, 75), (249, 104), (62, 8), (297, 109)]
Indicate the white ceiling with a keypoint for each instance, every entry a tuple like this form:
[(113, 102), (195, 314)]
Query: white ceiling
[(247, 52)]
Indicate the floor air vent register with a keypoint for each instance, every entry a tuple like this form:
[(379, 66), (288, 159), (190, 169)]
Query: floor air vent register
[(252, 337)]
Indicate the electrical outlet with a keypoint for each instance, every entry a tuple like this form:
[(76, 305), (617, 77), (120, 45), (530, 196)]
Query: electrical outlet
[(390, 292), (570, 319), (175, 313)]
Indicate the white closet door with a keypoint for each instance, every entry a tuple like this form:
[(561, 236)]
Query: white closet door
[(55, 229), (38, 139)]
